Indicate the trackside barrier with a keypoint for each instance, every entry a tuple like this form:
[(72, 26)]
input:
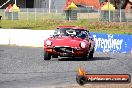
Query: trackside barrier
[(121, 43), (24, 37), (112, 42)]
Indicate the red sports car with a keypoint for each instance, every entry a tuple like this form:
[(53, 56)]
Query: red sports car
[(69, 41)]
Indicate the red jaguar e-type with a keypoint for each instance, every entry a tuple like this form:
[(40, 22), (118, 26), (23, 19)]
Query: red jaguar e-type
[(69, 41)]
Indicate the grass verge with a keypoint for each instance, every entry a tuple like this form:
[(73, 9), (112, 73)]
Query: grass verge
[(102, 27)]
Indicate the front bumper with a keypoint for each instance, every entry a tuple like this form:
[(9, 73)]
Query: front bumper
[(66, 51)]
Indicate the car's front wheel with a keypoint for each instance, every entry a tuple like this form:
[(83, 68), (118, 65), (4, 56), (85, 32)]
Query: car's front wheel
[(91, 54), (88, 55), (47, 56), (85, 57)]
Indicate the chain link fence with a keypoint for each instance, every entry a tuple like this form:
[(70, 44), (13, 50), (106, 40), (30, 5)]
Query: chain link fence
[(32, 14), (116, 16), (57, 14)]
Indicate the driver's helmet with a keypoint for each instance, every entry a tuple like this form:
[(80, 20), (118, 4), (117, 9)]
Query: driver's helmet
[(83, 36), (71, 32)]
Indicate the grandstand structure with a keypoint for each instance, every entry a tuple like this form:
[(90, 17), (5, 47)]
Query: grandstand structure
[(54, 4)]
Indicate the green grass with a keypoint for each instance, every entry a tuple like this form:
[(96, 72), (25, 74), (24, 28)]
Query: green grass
[(102, 27)]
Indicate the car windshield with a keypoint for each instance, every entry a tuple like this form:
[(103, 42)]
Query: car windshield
[(69, 31)]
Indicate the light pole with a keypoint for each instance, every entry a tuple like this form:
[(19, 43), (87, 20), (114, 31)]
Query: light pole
[(15, 1), (49, 5), (120, 10), (109, 10)]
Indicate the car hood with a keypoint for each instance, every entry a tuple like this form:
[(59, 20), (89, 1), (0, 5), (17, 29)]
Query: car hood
[(67, 41)]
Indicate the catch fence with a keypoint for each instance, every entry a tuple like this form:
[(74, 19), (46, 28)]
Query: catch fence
[(57, 14)]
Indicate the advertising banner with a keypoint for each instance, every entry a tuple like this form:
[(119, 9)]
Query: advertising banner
[(112, 42)]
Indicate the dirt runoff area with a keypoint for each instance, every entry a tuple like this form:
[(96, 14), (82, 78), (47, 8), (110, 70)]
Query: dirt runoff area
[(101, 86)]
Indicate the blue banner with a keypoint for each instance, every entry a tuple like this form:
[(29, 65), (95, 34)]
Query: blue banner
[(112, 42)]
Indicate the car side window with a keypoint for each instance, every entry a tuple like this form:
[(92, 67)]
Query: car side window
[(57, 32), (82, 34)]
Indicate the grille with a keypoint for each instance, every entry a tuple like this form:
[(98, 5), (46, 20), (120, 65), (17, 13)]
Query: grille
[(64, 49)]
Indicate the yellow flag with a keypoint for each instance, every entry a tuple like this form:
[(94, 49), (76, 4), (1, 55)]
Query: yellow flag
[(15, 8), (108, 6), (72, 6)]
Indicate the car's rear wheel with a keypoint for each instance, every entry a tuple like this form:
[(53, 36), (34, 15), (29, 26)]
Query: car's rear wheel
[(47, 56)]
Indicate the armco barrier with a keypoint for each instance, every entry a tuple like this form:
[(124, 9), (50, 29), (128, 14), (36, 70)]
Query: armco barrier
[(104, 42)]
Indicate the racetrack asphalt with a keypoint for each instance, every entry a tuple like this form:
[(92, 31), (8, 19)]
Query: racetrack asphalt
[(24, 67)]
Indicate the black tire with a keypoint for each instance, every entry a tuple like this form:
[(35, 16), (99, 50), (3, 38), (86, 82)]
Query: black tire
[(91, 54), (88, 56), (47, 56), (81, 80), (85, 58)]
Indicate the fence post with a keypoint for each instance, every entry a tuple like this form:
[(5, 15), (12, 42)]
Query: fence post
[(35, 15), (99, 12), (4, 15), (109, 10), (49, 6), (120, 15), (87, 14), (109, 15), (43, 14), (27, 14), (12, 16), (19, 15), (56, 11), (0, 21)]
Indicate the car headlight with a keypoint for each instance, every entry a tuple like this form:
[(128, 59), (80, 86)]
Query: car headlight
[(82, 44), (48, 42)]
